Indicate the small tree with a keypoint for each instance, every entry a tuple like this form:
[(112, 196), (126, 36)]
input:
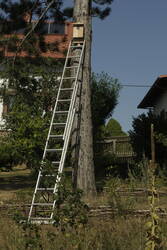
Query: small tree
[(29, 111), (113, 128), (140, 136), (105, 93)]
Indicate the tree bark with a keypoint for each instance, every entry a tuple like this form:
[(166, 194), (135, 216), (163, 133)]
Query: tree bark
[(84, 173)]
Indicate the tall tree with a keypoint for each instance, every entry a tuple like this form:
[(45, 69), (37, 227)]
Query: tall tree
[(85, 178), (82, 12), (105, 92), (140, 136)]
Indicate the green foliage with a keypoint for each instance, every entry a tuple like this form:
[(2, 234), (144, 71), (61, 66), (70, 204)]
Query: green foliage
[(112, 128), (29, 110), (114, 198), (105, 91), (137, 173), (140, 136), (70, 213), (110, 234), (17, 17), (70, 210), (153, 238), (27, 134), (102, 13), (7, 158), (35, 95), (100, 9), (25, 120), (103, 162)]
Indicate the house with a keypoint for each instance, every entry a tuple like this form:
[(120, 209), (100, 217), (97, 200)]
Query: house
[(56, 37), (156, 97)]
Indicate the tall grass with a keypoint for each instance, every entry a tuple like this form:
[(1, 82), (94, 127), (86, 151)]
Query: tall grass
[(119, 233)]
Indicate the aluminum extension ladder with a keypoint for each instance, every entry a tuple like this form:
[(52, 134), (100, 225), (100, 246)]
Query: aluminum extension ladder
[(55, 151)]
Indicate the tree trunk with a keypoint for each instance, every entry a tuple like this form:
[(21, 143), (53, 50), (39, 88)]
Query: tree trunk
[(84, 173)]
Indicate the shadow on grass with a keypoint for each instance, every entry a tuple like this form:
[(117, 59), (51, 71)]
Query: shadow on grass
[(16, 182)]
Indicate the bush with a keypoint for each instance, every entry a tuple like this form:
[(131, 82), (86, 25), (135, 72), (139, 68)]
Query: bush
[(140, 136)]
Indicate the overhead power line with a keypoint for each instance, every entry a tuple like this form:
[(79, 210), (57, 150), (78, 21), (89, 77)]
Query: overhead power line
[(135, 85)]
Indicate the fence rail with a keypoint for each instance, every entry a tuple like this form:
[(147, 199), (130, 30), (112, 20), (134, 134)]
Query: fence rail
[(119, 146), (96, 211)]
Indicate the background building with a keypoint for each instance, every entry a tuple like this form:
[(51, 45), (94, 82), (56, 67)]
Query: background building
[(156, 97), (53, 37)]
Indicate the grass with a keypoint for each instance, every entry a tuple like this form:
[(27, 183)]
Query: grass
[(17, 186), (120, 232)]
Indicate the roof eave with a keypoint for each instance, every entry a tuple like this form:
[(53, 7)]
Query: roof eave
[(150, 98)]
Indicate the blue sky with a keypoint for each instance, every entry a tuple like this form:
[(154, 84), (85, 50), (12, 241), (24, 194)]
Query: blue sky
[(131, 45)]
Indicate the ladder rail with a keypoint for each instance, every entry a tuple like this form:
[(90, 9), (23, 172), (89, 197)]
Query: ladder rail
[(55, 107), (65, 136), (34, 194), (61, 166), (48, 136), (70, 116), (68, 132), (74, 93), (68, 127)]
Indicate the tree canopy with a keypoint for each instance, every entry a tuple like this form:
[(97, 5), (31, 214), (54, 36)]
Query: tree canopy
[(140, 136), (105, 93), (113, 128), (27, 124)]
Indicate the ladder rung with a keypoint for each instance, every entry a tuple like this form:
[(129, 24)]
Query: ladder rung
[(69, 77), (77, 42), (74, 56), (66, 89), (43, 204), (53, 162), (56, 136), (71, 67), (76, 46), (48, 175), (54, 149), (64, 100), (59, 124), (61, 112), (45, 189), (41, 218), (66, 94)]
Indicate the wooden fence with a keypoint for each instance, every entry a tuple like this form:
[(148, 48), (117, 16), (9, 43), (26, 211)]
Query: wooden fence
[(120, 146)]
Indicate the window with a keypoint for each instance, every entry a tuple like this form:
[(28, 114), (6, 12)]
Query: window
[(51, 28), (43, 28), (56, 28)]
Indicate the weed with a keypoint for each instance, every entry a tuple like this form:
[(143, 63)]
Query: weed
[(114, 199), (153, 239)]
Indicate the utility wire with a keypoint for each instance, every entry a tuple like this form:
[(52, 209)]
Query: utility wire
[(33, 28), (135, 86)]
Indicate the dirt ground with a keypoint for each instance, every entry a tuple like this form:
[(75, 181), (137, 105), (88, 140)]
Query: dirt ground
[(19, 179)]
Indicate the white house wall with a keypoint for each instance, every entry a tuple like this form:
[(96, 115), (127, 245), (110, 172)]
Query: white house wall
[(3, 82), (1, 112), (161, 103)]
